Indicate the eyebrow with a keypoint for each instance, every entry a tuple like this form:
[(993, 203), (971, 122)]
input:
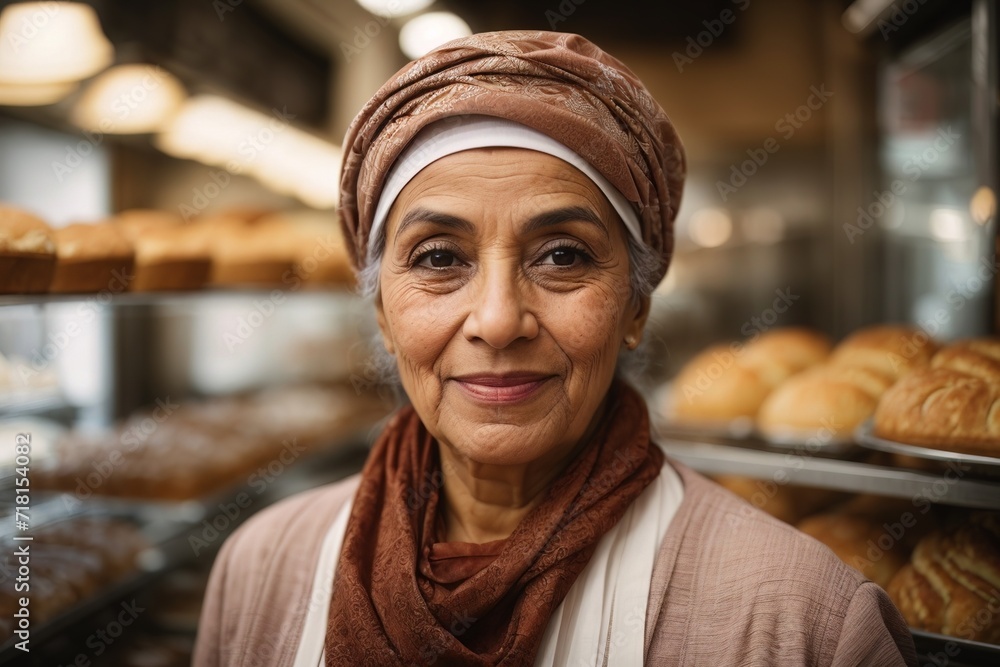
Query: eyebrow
[(546, 219), (436, 217), (566, 214)]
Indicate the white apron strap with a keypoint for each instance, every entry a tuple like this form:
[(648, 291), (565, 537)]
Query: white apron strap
[(310, 653), (602, 620)]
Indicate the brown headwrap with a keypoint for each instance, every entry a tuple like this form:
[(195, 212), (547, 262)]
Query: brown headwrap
[(388, 606), (559, 84)]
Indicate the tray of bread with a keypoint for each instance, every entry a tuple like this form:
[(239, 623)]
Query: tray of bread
[(948, 411), (865, 436), (791, 387)]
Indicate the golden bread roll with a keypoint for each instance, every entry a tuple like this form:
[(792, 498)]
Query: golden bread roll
[(169, 253), (795, 347), (27, 252), (891, 350), (855, 539), (952, 585), (92, 258), (955, 405), (826, 399), (837, 397), (728, 381), (713, 387)]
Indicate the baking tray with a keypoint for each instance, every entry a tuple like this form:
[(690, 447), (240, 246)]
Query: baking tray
[(968, 652), (805, 440), (865, 435)]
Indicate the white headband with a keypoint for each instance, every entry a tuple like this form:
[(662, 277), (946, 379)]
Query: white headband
[(462, 133)]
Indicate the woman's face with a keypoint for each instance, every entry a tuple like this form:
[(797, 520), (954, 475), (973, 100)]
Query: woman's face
[(505, 298)]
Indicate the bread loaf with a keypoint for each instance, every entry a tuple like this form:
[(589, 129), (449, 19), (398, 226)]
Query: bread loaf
[(952, 585), (27, 252), (855, 539), (92, 258), (169, 253), (954, 405), (729, 381)]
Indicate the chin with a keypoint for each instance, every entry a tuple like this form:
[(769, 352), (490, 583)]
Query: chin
[(502, 444)]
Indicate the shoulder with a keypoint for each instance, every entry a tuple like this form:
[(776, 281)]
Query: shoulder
[(745, 542), (294, 523), (259, 589), (730, 578)]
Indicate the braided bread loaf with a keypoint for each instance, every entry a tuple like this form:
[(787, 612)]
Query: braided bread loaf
[(953, 405), (952, 584)]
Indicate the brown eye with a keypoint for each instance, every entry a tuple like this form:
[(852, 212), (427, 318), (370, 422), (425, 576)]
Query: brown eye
[(437, 259), (563, 257)]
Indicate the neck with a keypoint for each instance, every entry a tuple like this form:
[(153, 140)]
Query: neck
[(483, 503)]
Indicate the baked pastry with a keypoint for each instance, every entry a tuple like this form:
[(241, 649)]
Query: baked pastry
[(27, 252), (891, 350), (828, 401), (321, 256), (832, 400), (952, 584), (859, 541), (954, 405), (248, 254), (92, 258), (169, 253), (727, 381)]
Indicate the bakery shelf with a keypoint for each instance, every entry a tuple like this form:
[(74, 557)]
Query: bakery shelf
[(159, 298), (168, 527), (754, 460)]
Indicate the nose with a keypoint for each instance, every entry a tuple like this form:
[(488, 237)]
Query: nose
[(499, 314)]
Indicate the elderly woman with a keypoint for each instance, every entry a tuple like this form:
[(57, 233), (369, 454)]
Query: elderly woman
[(509, 200)]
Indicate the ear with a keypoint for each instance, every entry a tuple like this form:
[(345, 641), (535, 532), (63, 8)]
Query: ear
[(637, 324), (383, 325)]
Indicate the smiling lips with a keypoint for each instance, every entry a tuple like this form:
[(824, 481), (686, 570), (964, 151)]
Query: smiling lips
[(507, 388)]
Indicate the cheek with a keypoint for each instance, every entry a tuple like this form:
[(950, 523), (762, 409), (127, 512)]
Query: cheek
[(421, 325), (587, 325)]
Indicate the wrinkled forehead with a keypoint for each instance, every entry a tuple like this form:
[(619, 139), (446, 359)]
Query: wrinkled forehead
[(501, 182)]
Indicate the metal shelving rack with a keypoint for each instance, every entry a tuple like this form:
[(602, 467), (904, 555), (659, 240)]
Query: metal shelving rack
[(755, 459)]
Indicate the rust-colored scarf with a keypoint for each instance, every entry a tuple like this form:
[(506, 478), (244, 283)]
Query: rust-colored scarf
[(385, 611)]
